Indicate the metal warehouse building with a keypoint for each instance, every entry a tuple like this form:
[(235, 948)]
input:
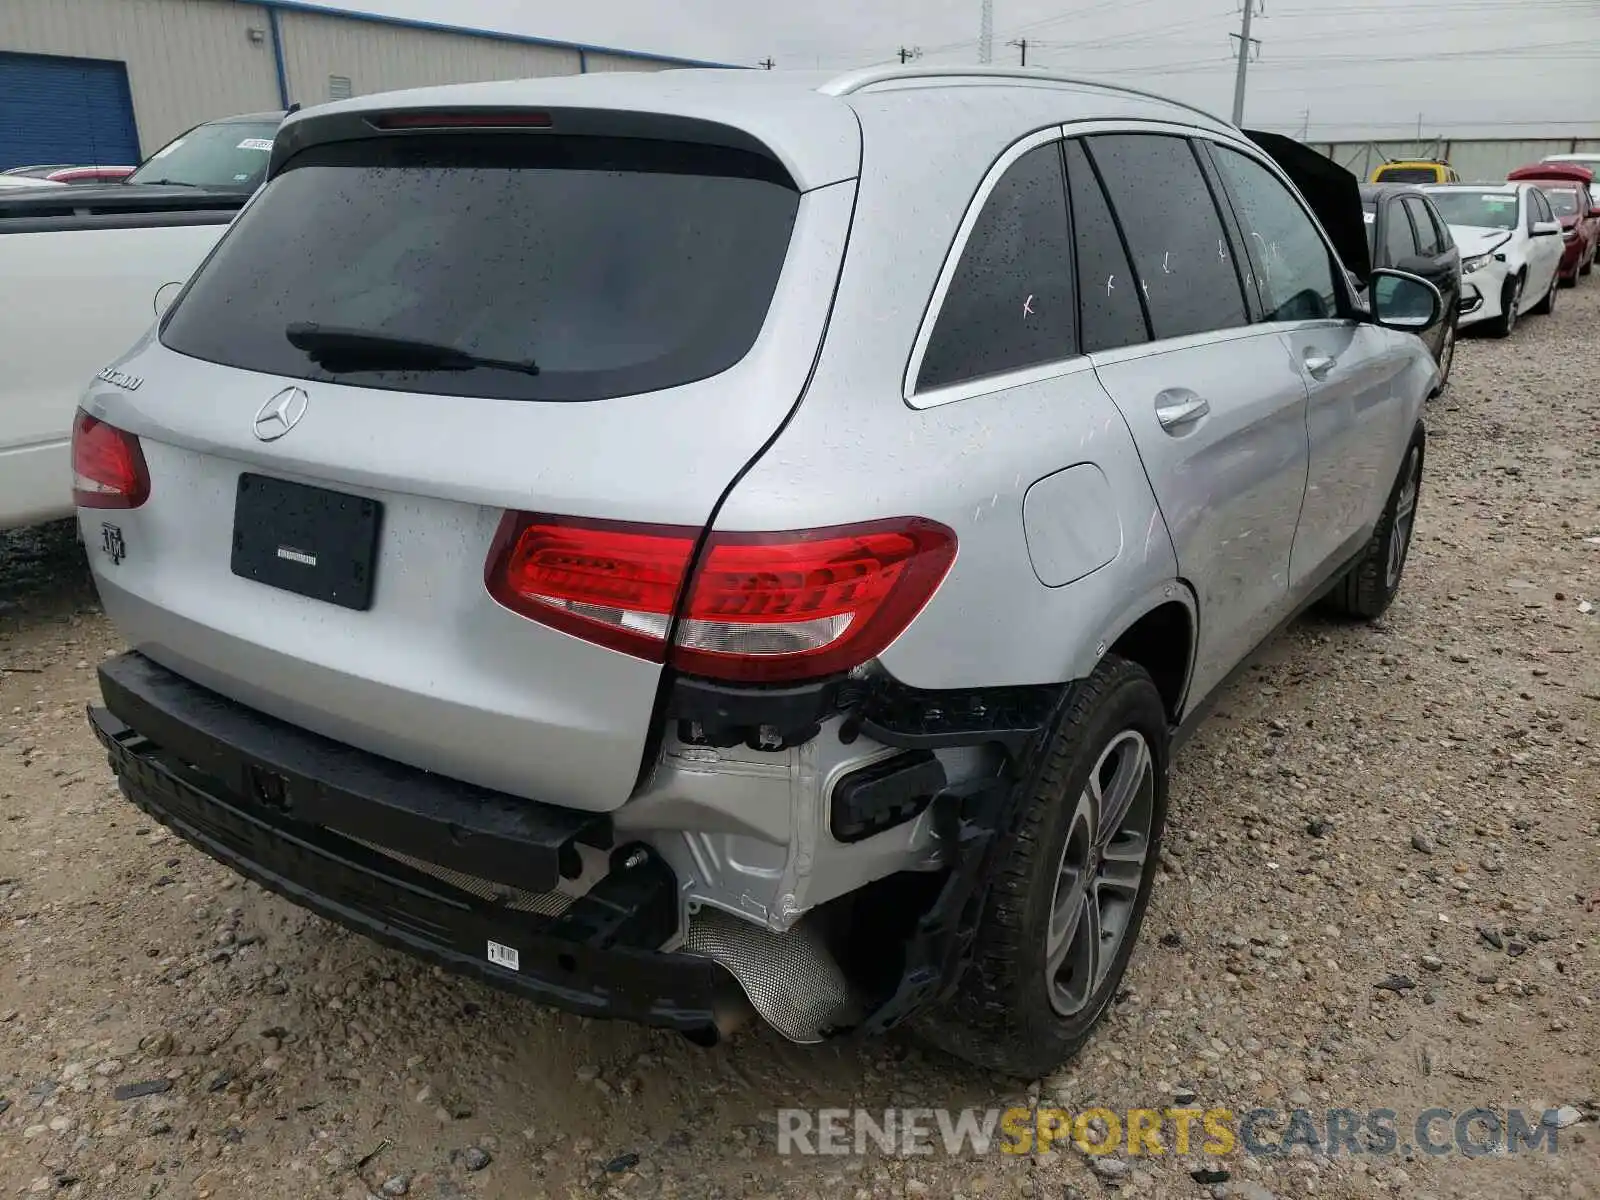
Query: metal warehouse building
[(110, 81)]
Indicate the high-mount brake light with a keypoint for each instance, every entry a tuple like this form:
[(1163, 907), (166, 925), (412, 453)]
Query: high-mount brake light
[(760, 607), (515, 119), (108, 467)]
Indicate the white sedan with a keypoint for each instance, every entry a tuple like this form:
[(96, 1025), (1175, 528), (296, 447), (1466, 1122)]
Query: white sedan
[(1510, 241)]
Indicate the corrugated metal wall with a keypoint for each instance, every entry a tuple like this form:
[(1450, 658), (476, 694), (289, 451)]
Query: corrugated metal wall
[(596, 62), (1475, 159), (187, 60), (381, 58)]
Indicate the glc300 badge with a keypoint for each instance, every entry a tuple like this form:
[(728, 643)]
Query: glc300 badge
[(121, 379)]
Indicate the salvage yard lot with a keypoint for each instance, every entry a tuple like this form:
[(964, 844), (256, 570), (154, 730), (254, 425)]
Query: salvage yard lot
[(1419, 799)]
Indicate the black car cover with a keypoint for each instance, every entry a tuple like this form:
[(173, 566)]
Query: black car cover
[(1333, 193)]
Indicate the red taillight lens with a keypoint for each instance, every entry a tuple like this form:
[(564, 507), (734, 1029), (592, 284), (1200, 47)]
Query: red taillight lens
[(778, 607), (763, 608), (612, 584), (514, 119), (108, 468)]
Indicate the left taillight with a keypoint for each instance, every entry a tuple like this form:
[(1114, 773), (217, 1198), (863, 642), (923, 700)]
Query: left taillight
[(760, 608), (108, 467)]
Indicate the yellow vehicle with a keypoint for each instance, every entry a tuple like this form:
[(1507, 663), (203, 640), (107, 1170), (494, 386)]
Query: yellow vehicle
[(1415, 171)]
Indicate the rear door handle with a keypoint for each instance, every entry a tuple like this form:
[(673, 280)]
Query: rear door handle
[(1318, 365), (1176, 408)]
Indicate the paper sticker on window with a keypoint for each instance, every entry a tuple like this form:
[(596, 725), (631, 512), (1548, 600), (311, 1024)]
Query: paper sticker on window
[(240, 178), (255, 144), (1369, 217)]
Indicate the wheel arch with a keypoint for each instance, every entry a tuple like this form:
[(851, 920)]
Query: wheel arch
[(1160, 634)]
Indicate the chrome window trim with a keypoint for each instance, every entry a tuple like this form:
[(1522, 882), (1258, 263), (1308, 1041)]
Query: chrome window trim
[(941, 287)]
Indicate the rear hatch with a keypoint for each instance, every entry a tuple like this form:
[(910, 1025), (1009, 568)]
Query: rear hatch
[(404, 338)]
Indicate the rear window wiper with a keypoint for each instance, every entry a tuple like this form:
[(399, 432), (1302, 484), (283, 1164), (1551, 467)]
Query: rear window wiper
[(336, 348)]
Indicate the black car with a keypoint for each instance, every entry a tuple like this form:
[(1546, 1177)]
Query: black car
[(1406, 232)]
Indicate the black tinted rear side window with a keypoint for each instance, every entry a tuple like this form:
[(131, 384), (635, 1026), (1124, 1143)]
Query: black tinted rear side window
[(1010, 301), (1108, 292), (1427, 236), (1165, 206), (618, 267), (1399, 240)]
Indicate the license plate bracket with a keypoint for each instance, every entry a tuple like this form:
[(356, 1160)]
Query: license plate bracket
[(312, 541)]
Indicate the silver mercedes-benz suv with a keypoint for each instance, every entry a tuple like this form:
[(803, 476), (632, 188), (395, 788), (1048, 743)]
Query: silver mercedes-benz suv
[(682, 542)]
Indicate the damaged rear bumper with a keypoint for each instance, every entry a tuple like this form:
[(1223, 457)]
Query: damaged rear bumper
[(596, 955)]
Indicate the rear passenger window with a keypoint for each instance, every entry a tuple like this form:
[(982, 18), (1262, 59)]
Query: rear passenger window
[(1108, 293), (1399, 241), (1165, 206), (1427, 237), (1292, 264), (1010, 301)]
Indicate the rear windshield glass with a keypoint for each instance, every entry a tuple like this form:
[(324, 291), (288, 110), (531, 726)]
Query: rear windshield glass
[(582, 268), (1482, 210), (226, 155), (1408, 175)]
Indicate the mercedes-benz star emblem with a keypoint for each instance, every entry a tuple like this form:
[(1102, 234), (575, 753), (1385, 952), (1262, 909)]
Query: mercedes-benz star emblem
[(281, 414)]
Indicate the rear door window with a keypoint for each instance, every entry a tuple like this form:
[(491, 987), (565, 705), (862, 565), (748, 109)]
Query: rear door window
[(1399, 238), (1165, 208), (587, 267), (1108, 290), (1010, 302), (1427, 238)]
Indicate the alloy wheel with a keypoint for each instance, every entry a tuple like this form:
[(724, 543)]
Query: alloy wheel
[(1102, 867), (1405, 516)]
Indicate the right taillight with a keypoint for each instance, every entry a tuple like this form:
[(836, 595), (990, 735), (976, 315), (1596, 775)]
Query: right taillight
[(108, 467), (760, 608)]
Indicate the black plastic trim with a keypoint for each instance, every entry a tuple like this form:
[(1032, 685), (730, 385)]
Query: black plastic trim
[(884, 794), (587, 961), (315, 781)]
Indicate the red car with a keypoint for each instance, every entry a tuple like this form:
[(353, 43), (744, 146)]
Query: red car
[(1575, 196)]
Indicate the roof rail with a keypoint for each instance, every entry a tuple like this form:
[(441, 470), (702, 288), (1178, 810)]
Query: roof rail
[(860, 80)]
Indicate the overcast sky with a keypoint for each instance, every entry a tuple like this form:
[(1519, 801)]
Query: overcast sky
[(1333, 68)]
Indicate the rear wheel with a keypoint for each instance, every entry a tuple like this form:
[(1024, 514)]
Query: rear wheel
[(1371, 585), (1447, 357), (1070, 891), (1548, 305), (1510, 301)]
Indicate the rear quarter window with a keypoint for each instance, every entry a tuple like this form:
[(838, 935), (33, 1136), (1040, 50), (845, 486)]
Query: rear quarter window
[(1010, 303), (616, 266)]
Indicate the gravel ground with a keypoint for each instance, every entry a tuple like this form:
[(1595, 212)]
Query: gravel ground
[(1411, 805)]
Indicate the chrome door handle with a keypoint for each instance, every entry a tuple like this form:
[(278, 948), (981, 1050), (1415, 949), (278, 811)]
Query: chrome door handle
[(1318, 365), (1176, 409)]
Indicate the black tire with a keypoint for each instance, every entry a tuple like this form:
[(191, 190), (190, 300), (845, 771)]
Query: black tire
[(1447, 358), (1372, 584), (1002, 1017), (1548, 305), (1510, 301)]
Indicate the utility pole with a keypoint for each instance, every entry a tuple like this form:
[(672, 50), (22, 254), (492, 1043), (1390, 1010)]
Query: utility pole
[(1246, 44), (1021, 44), (986, 32), (1305, 123), (767, 64), (906, 55)]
